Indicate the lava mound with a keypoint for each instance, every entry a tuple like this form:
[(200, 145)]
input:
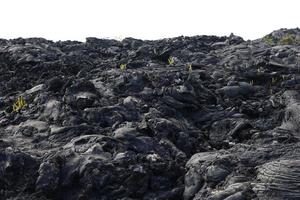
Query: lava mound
[(190, 118)]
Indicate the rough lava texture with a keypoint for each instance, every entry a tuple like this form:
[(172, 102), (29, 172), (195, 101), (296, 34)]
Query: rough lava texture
[(228, 129)]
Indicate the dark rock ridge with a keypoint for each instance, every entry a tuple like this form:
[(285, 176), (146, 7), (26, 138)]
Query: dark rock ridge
[(220, 123)]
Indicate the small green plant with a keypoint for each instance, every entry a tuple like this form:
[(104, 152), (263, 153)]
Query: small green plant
[(287, 40), (189, 67), (268, 39), (274, 80), (171, 61), (19, 104), (123, 67)]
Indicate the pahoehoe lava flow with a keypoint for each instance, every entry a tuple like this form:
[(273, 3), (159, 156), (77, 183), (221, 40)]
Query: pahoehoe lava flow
[(190, 118)]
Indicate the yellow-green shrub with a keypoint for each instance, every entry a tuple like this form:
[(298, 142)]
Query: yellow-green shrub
[(287, 40), (19, 104)]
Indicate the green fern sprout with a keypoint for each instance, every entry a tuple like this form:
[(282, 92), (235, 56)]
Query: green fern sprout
[(123, 67), (19, 104), (171, 61)]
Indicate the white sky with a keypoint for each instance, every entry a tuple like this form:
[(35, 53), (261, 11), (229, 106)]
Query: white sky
[(144, 19)]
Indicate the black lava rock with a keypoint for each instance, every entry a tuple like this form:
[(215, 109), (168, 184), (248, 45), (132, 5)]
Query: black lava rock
[(201, 117)]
